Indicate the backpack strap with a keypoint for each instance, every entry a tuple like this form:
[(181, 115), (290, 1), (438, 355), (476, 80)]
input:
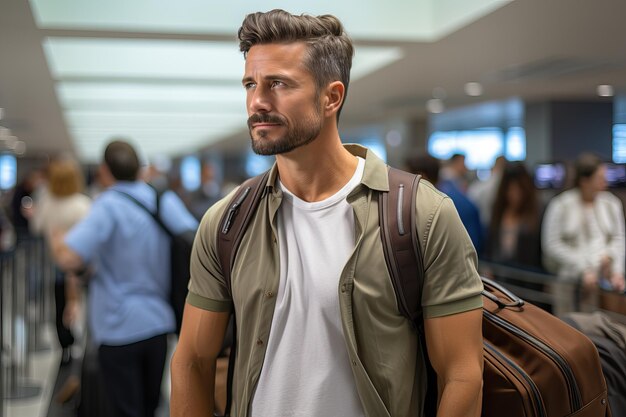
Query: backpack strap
[(233, 224), (401, 245), (405, 263), (232, 227), (155, 215)]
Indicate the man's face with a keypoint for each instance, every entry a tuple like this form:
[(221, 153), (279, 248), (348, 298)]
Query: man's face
[(284, 108)]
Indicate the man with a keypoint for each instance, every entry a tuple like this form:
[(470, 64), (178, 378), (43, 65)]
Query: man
[(319, 331), (455, 171), (483, 193), (129, 312)]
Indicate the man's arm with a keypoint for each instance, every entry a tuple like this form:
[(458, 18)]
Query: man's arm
[(193, 364), (66, 258), (455, 349)]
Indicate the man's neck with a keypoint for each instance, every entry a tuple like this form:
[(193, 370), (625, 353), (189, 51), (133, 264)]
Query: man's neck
[(318, 170)]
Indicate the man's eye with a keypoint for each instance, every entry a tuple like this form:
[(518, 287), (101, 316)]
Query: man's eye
[(277, 83), (248, 86)]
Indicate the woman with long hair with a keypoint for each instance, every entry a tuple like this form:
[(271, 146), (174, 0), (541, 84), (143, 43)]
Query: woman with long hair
[(514, 231)]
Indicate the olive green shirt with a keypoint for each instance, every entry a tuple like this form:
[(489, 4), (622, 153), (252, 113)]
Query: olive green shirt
[(386, 357)]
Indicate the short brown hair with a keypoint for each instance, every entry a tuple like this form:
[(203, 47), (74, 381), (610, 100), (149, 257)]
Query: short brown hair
[(122, 160), (585, 166), (64, 178), (329, 49)]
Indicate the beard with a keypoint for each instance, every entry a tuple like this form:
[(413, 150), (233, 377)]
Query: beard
[(299, 134)]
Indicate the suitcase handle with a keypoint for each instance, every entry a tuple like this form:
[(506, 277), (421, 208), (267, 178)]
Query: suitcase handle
[(516, 301)]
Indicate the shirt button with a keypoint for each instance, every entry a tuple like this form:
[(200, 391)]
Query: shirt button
[(343, 287), (259, 342), (269, 294), (353, 363)]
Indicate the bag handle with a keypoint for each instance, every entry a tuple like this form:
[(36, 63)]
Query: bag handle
[(515, 300)]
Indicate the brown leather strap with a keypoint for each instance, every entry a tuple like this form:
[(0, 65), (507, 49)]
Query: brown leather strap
[(235, 221), (232, 227), (401, 243)]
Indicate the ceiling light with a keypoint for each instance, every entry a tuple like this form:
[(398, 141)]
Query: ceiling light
[(473, 89), (435, 105), (605, 90)]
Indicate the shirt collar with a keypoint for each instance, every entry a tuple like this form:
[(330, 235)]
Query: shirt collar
[(374, 175)]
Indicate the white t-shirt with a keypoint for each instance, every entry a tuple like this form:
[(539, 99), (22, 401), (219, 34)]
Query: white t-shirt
[(306, 371)]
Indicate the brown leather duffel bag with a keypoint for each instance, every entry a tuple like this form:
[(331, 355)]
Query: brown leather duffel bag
[(536, 364)]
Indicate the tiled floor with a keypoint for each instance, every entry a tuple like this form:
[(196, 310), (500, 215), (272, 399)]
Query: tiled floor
[(43, 367), (44, 371)]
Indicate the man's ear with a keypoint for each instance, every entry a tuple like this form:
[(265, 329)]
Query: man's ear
[(334, 95), (105, 177)]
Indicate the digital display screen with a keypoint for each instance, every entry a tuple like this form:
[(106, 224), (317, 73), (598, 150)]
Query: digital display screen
[(8, 171), (616, 175), (550, 176)]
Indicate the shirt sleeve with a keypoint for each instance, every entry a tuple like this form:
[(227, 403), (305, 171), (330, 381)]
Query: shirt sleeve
[(87, 236), (451, 283), (175, 215), (207, 287)]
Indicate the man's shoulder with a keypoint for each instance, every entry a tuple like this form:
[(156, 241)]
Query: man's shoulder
[(609, 198), (211, 218), (428, 198)]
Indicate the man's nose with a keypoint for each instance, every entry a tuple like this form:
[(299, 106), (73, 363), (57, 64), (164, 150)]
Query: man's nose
[(259, 100)]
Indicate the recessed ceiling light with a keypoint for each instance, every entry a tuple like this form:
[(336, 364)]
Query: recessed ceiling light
[(435, 105), (473, 89), (605, 90)]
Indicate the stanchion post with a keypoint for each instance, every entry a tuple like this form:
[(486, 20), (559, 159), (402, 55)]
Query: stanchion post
[(18, 388)]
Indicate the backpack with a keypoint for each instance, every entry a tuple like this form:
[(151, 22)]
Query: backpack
[(535, 365), (180, 255)]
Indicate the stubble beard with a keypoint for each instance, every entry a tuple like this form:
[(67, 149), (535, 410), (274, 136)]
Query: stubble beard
[(299, 134)]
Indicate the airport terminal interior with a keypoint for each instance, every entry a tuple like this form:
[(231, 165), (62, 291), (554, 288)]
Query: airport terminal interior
[(494, 93)]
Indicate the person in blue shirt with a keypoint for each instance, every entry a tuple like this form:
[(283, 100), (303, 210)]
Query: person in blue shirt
[(429, 167), (128, 310)]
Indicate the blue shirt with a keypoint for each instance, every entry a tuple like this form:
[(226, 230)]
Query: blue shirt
[(468, 212), (128, 294)]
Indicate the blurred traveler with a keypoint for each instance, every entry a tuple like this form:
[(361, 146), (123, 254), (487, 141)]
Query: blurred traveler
[(129, 314), (583, 230), (207, 194), (22, 201), (425, 165), (429, 167), (319, 330), (483, 193), (454, 171), (60, 208), (514, 234)]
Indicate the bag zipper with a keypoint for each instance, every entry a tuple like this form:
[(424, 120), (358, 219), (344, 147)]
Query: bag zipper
[(572, 387), (540, 410)]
